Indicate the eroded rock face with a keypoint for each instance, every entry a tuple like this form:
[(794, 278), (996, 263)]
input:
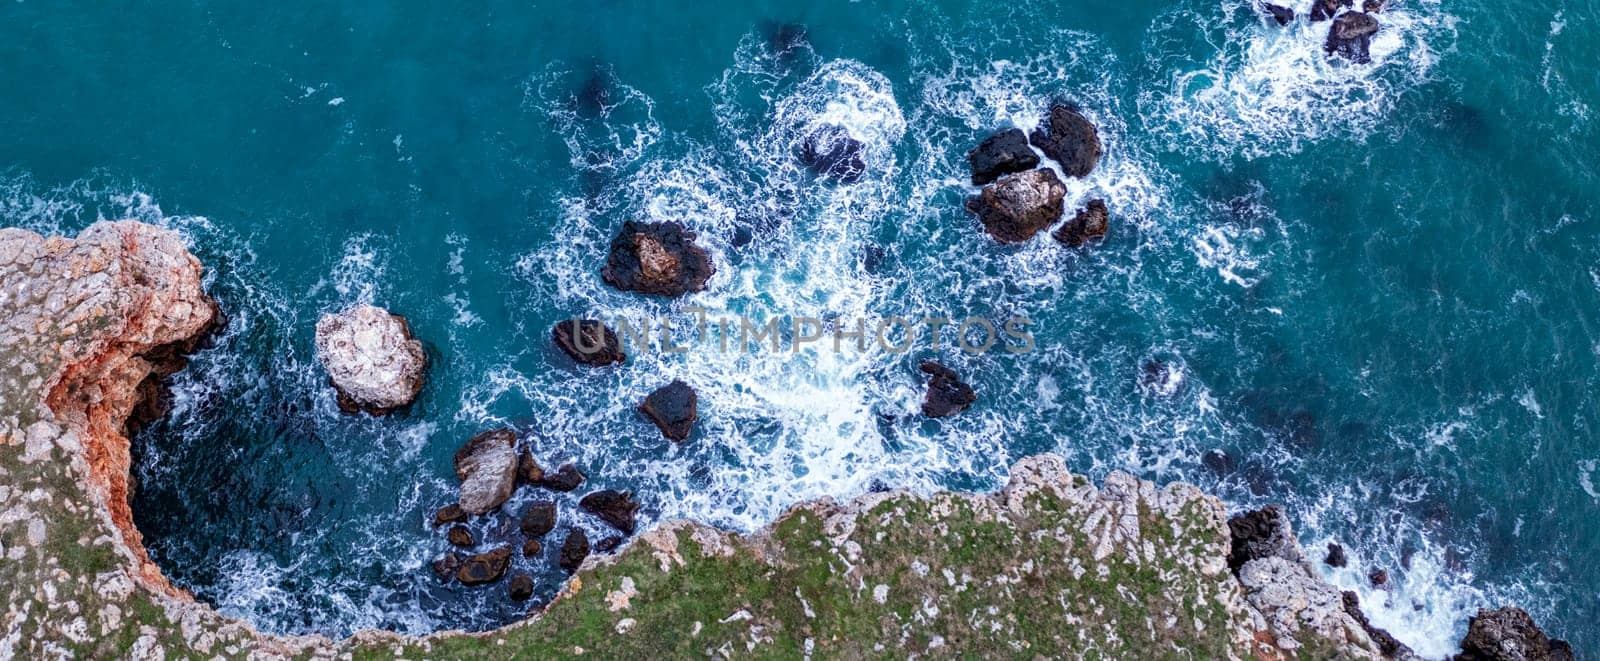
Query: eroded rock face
[(659, 259), (831, 153), (1017, 206), (1350, 36), (614, 507), (1389, 646), (373, 361), (1262, 533), (1001, 154), (1090, 224), (1510, 634), (674, 408), (487, 468), (1296, 602), (947, 393), (1068, 138), (589, 342)]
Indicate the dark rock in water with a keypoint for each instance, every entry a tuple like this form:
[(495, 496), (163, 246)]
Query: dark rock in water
[(539, 519), (574, 550), (484, 567), (1068, 138), (528, 469), (460, 535), (608, 544), (1262, 533), (1379, 578), (445, 567), (1090, 224), (674, 408), (1351, 35), (1390, 646), (947, 393), (595, 94), (565, 478), (521, 587), (1510, 634), (1218, 461), (487, 467), (1017, 206), (1322, 10), (1001, 154), (531, 548), (589, 342), (451, 513), (785, 40), (614, 507), (658, 259), (1283, 15), (1336, 556), (1372, 6), (831, 153), (1160, 378)]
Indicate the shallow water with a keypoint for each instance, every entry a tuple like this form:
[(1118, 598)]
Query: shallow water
[(1379, 283)]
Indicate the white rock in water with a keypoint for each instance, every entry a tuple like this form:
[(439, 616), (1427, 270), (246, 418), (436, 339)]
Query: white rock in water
[(374, 362)]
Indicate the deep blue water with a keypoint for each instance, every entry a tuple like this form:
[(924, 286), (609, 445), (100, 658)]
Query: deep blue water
[(1380, 284)]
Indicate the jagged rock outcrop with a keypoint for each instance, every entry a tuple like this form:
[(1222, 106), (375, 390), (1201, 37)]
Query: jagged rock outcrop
[(832, 153), (1510, 634), (1070, 139), (589, 342), (372, 359), (1350, 36), (674, 408), (487, 468), (658, 259), (1089, 224), (614, 507), (947, 393), (1000, 154), (1017, 206)]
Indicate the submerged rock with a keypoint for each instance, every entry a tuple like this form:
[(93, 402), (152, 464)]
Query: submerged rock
[(1336, 556), (1218, 461), (1350, 36), (589, 342), (484, 567), (1017, 206), (487, 468), (1510, 634), (1000, 154), (1262, 533), (539, 519), (1283, 15), (565, 478), (947, 393), (460, 535), (1379, 578), (371, 358), (574, 550), (658, 259), (445, 567), (830, 152), (451, 513), (1090, 224), (674, 408), (531, 548), (1068, 138), (614, 507), (1160, 378), (521, 587)]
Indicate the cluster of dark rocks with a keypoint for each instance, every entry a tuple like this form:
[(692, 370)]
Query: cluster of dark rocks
[(1506, 634), (1350, 34), (1018, 198), (491, 467)]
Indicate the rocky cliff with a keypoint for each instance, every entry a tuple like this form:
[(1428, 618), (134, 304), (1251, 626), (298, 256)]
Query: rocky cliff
[(1051, 565)]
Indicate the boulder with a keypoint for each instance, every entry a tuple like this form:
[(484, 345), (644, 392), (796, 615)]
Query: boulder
[(1336, 556), (1017, 206), (1350, 36), (451, 513), (574, 550), (947, 394), (565, 478), (1283, 15), (614, 507), (1090, 224), (539, 519), (531, 548), (1262, 533), (484, 567), (589, 342), (446, 566), (371, 358), (487, 468), (831, 153), (674, 408), (460, 535), (1068, 138), (1379, 578), (1509, 634), (1322, 10), (658, 259), (528, 469), (521, 587), (1003, 153)]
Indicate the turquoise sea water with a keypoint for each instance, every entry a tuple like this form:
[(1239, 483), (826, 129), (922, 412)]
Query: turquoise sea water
[(1380, 284)]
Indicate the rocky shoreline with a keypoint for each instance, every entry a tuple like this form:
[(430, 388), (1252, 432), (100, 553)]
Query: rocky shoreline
[(1051, 565)]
